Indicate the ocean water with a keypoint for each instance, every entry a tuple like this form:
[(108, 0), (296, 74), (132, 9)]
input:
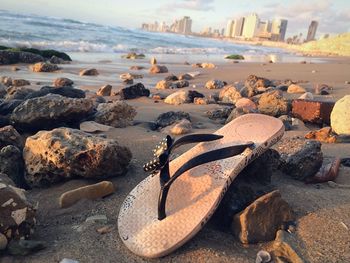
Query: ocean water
[(81, 37)]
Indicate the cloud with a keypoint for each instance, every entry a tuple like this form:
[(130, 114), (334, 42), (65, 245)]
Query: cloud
[(199, 5)]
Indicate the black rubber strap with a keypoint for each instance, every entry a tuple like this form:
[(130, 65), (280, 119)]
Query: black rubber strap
[(207, 157)]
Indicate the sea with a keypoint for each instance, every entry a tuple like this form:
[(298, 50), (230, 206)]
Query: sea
[(84, 40)]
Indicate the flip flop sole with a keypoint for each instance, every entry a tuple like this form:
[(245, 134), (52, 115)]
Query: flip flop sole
[(195, 195)]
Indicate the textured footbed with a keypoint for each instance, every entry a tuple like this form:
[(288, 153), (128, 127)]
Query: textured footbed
[(195, 195)]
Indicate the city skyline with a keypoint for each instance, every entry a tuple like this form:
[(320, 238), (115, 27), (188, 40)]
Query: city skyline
[(333, 16)]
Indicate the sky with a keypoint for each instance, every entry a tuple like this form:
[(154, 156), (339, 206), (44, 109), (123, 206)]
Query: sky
[(333, 15)]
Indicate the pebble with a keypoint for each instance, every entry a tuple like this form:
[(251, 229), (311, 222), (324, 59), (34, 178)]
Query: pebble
[(102, 219), (314, 71)]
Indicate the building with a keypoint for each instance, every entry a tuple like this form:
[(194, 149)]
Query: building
[(250, 26), (229, 28), (278, 29), (238, 27), (187, 25), (312, 31)]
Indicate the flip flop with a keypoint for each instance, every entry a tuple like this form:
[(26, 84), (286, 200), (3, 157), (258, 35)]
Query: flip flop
[(171, 205)]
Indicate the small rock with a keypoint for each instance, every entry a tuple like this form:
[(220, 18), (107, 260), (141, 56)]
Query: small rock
[(229, 94), (313, 71), (171, 117), (136, 68), (263, 257), (178, 98), (204, 65), (133, 55), (306, 96), (340, 116), (261, 220), (105, 90), (158, 69), (221, 113), (200, 101), (285, 247), (153, 61), (185, 76), (347, 82), (134, 91), (237, 112), (63, 82), (88, 72), (182, 127), (67, 260), (91, 126), (180, 84), (7, 81), (192, 94), (100, 219), (9, 136), (24, 247), (20, 82), (215, 84), (17, 93), (14, 68), (302, 62), (171, 77), (129, 76), (251, 85), (322, 135), (163, 84), (294, 88), (12, 164), (287, 122), (44, 67), (57, 60), (273, 104), (3, 242), (68, 92), (194, 74), (245, 104)]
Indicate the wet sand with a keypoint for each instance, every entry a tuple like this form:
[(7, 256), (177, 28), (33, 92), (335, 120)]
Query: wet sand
[(321, 211)]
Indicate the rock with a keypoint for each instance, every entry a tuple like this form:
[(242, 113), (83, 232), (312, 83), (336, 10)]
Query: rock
[(263, 257), (128, 81), (287, 122), (68, 92), (91, 126), (14, 68), (221, 113), (24, 247), (251, 85), (153, 61), (194, 74), (11, 164), (57, 60), (89, 72), (91, 192), (64, 153), (63, 82), (347, 82), (185, 76), (261, 220), (293, 88), (180, 84), (3, 242), (2, 91), (285, 247), (192, 94), (322, 135), (171, 117), (7, 81), (50, 111), (200, 101), (12, 57), (100, 219), (20, 82), (236, 112), (44, 67), (171, 78), (104, 91), (6, 107), (129, 76), (17, 215), (164, 84), (136, 68), (300, 159), (67, 260), (133, 92), (182, 127), (204, 65), (133, 55), (306, 96), (158, 69), (178, 98), (229, 94), (9, 136), (17, 93), (117, 114), (245, 104), (273, 104), (317, 112), (215, 84), (340, 116)]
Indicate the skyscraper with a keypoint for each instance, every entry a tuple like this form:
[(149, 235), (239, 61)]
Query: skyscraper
[(229, 27), (312, 31), (250, 27), (238, 27), (278, 29)]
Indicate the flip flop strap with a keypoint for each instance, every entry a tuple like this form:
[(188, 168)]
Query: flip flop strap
[(210, 156)]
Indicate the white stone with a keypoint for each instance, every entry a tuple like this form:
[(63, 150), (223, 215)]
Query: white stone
[(19, 215), (340, 116), (306, 96)]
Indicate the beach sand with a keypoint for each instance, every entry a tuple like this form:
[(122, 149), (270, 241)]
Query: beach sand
[(321, 211)]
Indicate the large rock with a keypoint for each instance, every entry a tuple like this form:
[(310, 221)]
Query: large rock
[(340, 116), (44, 67), (12, 57), (253, 84), (63, 82), (9, 136), (246, 104), (50, 111), (64, 153), (178, 98), (229, 94), (117, 114), (5, 80), (68, 92), (215, 84), (134, 91), (105, 90), (17, 93), (2, 91), (17, 215), (300, 158), (7, 106), (318, 112), (273, 104), (171, 117), (88, 72), (261, 220), (182, 127), (158, 69), (11, 164)]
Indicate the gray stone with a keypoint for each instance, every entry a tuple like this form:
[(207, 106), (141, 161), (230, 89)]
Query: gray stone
[(171, 117), (24, 247), (11, 164), (221, 113), (89, 72), (9, 136)]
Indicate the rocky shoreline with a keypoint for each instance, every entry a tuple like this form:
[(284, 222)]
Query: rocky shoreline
[(71, 140)]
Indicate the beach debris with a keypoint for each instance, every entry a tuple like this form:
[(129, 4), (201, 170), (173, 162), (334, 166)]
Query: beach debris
[(158, 69), (200, 101), (345, 226), (285, 248), (273, 104), (91, 126), (215, 84), (44, 67), (219, 113), (89, 72), (323, 135), (64, 153), (300, 158), (12, 164), (185, 76), (153, 61), (294, 88), (105, 90), (183, 126), (63, 82), (24, 247), (317, 112), (306, 96), (168, 118), (261, 220), (263, 257), (234, 56), (327, 172), (340, 116), (204, 65), (17, 215), (50, 111), (229, 94), (313, 71), (117, 114), (8, 57), (137, 68), (133, 92), (92, 192), (3, 242), (133, 55), (10, 136)]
